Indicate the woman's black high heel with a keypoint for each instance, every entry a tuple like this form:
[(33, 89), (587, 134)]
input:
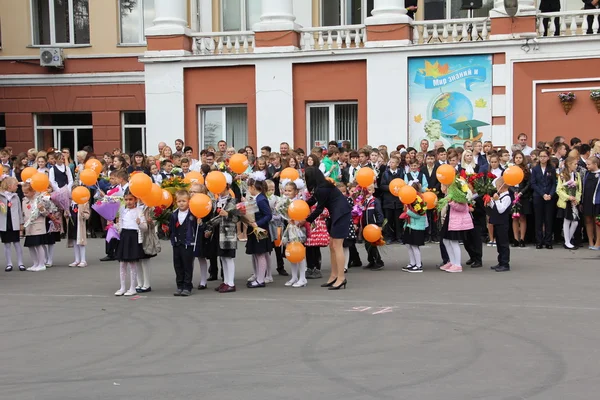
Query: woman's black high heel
[(329, 284), (343, 284)]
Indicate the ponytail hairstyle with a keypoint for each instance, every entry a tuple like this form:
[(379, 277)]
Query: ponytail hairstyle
[(565, 174)]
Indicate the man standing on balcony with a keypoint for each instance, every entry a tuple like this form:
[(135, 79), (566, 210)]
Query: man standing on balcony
[(550, 6), (591, 5), (411, 8)]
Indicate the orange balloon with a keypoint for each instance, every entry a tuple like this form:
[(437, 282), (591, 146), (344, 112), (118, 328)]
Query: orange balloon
[(40, 182), (140, 185), (94, 164), (290, 173), (430, 199), (154, 198), (238, 163), (277, 241), (200, 205), (396, 185), (194, 177), (365, 177), (166, 199), (295, 252), (513, 175), (89, 177), (408, 194), (216, 182), (372, 233), (445, 174), (298, 210), (27, 173), (80, 195)]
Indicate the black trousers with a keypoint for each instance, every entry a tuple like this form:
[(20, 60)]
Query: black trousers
[(111, 247), (444, 252), (279, 256), (354, 255), (474, 244), (546, 22), (313, 257), (183, 262), (545, 213), (590, 21), (394, 227), (502, 244), (432, 229), (373, 255)]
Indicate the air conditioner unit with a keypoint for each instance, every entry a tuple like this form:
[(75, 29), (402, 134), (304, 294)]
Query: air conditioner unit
[(52, 57)]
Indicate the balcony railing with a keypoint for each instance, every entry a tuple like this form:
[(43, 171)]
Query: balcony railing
[(213, 43), (453, 30), (570, 23), (333, 37)]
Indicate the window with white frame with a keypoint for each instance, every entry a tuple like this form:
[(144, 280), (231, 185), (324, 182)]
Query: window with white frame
[(135, 17), (2, 131), (60, 22), (134, 131), (239, 15), (228, 123), (332, 121), (345, 12)]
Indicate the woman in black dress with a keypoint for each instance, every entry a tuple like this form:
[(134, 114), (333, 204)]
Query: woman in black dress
[(519, 223), (326, 195)]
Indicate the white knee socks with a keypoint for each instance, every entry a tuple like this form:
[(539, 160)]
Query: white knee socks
[(34, 256), (133, 267), (203, 270), (122, 273), (228, 271), (411, 255), (143, 273), (79, 253), (269, 275), (417, 254), (19, 251), (295, 271), (261, 267), (302, 271), (50, 254), (453, 249)]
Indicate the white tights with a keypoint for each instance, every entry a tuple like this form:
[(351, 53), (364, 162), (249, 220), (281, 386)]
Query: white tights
[(123, 275), (143, 274), (79, 253), (37, 256), (203, 270), (260, 262), (569, 228), (414, 255), (49, 254), (228, 271), (299, 271), (8, 256), (453, 249)]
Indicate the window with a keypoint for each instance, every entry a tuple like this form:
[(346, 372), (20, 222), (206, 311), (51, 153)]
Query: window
[(135, 16), (328, 122), (451, 9), (56, 22), (229, 123), (73, 131), (345, 12), (134, 132), (2, 131), (239, 15)]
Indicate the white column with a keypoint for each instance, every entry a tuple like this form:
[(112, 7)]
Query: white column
[(277, 15), (171, 18), (526, 7), (388, 12)]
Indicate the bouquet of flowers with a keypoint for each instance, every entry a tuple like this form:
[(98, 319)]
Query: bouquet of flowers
[(108, 208), (418, 207), (293, 233), (247, 209), (517, 206), (483, 186), (35, 210), (62, 198), (161, 216), (174, 184), (281, 208), (571, 187)]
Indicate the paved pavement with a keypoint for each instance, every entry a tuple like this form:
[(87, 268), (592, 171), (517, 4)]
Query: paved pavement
[(528, 334)]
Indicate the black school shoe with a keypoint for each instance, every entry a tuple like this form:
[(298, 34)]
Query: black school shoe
[(178, 292), (502, 269), (282, 272)]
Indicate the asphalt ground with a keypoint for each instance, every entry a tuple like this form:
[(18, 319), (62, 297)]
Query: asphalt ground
[(531, 333)]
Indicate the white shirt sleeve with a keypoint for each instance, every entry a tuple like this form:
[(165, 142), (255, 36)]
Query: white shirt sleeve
[(69, 175), (502, 204), (52, 179), (322, 169)]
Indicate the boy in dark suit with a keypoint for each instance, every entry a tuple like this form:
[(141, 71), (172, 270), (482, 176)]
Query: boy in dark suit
[(183, 226), (392, 207), (372, 214), (500, 218), (349, 173), (429, 171)]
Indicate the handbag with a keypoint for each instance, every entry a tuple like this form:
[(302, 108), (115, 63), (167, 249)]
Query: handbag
[(150, 242)]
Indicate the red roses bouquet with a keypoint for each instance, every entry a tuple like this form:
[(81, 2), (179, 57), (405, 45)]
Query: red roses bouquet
[(161, 216), (483, 185)]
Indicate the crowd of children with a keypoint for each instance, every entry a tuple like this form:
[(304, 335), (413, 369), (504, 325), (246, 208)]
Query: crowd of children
[(558, 191)]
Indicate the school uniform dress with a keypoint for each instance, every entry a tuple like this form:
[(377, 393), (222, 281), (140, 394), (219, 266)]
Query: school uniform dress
[(130, 243), (183, 227), (543, 181), (262, 219), (224, 230), (60, 176), (340, 212), (10, 223), (590, 182), (414, 229)]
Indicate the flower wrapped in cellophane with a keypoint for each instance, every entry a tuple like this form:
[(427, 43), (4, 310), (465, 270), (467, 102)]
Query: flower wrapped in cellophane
[(108, 208)]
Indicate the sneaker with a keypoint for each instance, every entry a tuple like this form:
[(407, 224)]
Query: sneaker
[(309, 273), (300, 284), (178, 292), (269, 279), (490, 244), (119, 292), (378, 266), (282, 272), (130, 293), (445, 267), (414, 269), (493, 244), (407, 268), (454, 268), (317, 274), (186, 293), (252, 278), (290, 282)]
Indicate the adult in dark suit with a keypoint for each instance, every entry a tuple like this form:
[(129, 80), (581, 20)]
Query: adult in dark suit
[(392, 207), (591, 5), (550, 6), (543, 183), (411, 8)]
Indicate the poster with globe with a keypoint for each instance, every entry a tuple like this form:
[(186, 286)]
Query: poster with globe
[(450, 99)]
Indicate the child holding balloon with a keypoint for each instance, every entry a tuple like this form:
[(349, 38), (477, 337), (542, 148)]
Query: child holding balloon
[(291, 191), (372, 214), (500, 219), (259, 247), (76, 232), (34, 215), (415, 216), (11, 221)]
